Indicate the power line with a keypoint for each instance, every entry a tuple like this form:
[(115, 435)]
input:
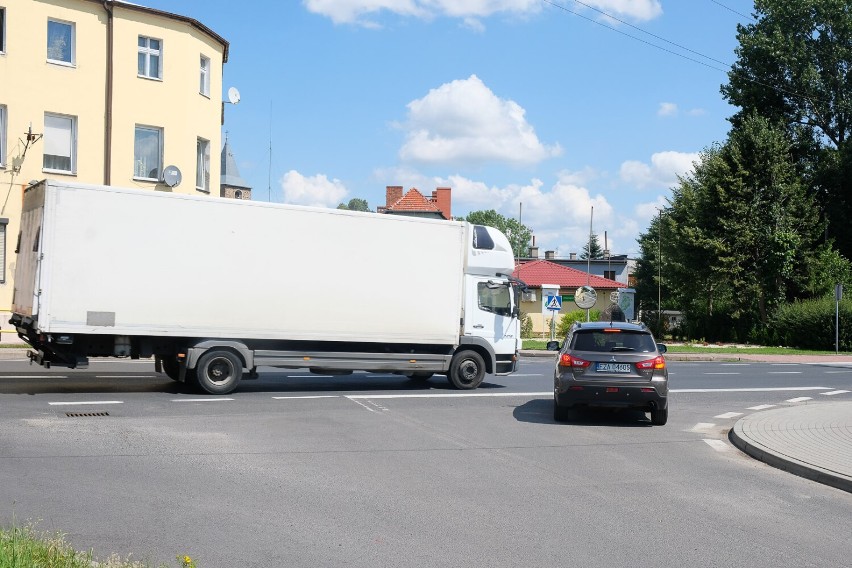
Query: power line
[(732, 10)]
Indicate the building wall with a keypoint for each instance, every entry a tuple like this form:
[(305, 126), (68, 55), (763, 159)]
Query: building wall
[(541, 318), (31, 86)]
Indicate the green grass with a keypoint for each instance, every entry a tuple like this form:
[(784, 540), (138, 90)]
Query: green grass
[(700, 348), (26, 547)]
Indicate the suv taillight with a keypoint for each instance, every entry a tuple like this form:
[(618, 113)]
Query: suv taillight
[(655, 363), (573, 362)]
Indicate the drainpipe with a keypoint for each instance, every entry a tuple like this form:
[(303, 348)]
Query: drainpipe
[(108, 6)]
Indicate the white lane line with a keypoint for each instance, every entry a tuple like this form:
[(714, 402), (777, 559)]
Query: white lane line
[(799, 399), (83, 402), (361, 404), (783, 372), (200, 399), (703, 427), (721, 373), (125, 376), (443, 395), (734, 364), (763, 406), (844, 371), (756, 389), (529, 375), (729, 415), (717, 445), (832, 393), (306, 396), (33, 376)]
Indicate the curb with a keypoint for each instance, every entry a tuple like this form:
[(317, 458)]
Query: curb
[(778, 460)]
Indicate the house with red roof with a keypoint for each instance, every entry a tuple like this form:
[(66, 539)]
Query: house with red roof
[(415, 204), (538, 273)]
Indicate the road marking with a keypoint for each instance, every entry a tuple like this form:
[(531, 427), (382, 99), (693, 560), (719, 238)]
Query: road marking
[(756, 389), (783, 364), (361, 404), (845, 371), (125, 376), (763, 406), (81, 403), (734, 364), (729, 415), (33, 376), (201, 399), (721, 373), (529, 375), (832, 393), (717, 445), (703, 427), (800, 399), (783, 372), (306, 396), (447, 395)]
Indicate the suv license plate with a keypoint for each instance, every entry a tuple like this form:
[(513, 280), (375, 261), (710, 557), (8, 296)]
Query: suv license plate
[(613, 368)]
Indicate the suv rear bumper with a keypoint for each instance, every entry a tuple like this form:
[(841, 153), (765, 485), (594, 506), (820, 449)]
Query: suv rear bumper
[(647, 397)]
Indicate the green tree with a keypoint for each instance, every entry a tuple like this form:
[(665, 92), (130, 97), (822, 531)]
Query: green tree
[(592, 249), (355, 204), (793, 68), (739, 236), (519, 235)]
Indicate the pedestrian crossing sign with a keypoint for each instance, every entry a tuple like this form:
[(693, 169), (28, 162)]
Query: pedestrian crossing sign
[(553, 303)]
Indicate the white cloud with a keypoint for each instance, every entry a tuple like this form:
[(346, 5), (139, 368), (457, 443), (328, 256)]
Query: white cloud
[(667, 109), (359, 11), (316, 190), (465, 122), (662, 172)]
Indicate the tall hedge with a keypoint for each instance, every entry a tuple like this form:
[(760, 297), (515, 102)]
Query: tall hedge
[(810, 324)]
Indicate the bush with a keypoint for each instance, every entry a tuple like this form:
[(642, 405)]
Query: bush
[(567, 320), (526, 326), (810, 324)]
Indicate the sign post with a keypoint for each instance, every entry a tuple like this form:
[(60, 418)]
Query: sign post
[(838, 295), (551, 304)]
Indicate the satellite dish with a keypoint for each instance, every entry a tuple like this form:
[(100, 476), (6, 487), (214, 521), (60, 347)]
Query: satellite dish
[(172, 176), (233, 95)]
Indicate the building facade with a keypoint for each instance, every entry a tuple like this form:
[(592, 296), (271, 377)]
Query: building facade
[(415, 204), (104, 92)]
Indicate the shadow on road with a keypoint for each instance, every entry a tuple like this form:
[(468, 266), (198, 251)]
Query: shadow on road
[(540, 411)]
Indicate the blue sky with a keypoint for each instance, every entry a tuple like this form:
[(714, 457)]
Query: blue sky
[(551, 105)]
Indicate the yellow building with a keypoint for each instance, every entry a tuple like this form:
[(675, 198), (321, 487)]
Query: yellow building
[(104, 92)]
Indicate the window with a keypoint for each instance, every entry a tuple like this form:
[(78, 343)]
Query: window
[(150, 54), (494, 299), (2, 29), (609, 274), (606, 342), (60, 42), (202, 165), (60, 141), (2, 136), (148, 153), (204, 86), (481, 239), (3, 223)]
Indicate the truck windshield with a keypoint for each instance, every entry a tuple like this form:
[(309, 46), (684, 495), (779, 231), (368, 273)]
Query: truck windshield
[(495, 300)]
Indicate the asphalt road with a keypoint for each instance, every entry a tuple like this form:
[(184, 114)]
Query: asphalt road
[(374, 470)]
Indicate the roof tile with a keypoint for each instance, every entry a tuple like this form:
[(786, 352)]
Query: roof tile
[(538, 272)]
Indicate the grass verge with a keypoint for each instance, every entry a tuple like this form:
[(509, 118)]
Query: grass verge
[(539, 344)]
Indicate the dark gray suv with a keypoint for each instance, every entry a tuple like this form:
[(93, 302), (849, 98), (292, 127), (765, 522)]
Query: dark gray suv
[(610, 364)]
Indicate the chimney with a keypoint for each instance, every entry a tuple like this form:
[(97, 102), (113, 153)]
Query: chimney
[(441, 199), (393, 194), (533, 251), (572, 256), (549, 255)]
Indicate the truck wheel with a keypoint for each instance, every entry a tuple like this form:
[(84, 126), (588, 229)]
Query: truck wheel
[(467, 370), (218, 372)]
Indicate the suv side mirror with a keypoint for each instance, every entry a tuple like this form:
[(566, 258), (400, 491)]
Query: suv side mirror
[(661, 348), (552, 346)]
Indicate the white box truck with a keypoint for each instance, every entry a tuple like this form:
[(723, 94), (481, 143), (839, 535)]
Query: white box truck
[(214, 288)]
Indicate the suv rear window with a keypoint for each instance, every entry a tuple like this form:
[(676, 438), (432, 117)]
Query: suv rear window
[(606, 341)]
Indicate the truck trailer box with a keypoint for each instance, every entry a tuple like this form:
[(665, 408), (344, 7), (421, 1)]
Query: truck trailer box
[(105, 260)]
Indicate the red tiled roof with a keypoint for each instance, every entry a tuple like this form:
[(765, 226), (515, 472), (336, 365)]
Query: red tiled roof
[(413, 201), (538, 272)]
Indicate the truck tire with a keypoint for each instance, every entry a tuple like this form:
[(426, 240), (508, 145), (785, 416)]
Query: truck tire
[(218, 372), (467, 370)]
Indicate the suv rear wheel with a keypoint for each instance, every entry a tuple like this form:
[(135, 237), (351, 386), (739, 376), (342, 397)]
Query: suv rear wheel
[(659, 416)]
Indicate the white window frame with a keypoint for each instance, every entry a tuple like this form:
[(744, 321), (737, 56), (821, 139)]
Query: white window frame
[(147, 51), (139, 169), (202, 165), (72, 144), (72, 54), (2, 29), (3, 120), (204, 79)]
